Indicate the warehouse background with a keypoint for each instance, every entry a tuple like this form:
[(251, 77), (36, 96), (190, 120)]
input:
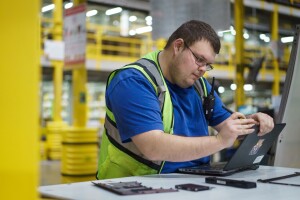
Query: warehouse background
[(48, 111)]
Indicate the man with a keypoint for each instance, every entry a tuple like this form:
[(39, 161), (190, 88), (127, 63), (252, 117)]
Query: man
[(155, 121)]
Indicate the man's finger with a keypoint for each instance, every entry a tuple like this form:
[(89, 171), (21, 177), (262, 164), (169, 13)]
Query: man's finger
[(238, 115)]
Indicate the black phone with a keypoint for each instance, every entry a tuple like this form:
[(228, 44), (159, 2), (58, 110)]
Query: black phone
[(192, 187)]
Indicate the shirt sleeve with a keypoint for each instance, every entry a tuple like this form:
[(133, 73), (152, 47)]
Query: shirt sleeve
[(134, 103)]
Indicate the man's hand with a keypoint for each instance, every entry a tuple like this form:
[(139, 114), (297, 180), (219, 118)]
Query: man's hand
[(265, 122), (234, 126)]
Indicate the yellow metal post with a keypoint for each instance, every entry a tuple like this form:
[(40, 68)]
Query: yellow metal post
[(19, 102), (55, 127), (79, 91), (58, 65), (57, 83), (80, 98), (239, 48), (80, 144), (276, 83)]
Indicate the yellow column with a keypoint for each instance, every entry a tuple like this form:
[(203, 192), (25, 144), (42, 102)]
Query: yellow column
[(80, 98), (80, 144), (55, 127), (79, 92), (19, 85), (239, 48), (274, 35), (58, 65), (57, 84)]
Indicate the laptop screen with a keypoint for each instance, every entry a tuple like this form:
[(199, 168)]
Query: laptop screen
[(253, 148)]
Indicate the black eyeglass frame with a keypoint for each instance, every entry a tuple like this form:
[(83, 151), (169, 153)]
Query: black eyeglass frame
[(199, 60)]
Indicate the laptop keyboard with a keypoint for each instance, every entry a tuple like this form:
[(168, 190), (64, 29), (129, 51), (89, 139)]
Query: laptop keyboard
[(217, 166), (214, 166)]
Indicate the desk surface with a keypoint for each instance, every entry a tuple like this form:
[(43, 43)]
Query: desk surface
[(266, 191)]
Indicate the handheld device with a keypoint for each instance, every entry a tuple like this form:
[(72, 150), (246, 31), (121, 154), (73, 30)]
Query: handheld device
[(192, 187), (230, 182), (209, 102), (131, 188)]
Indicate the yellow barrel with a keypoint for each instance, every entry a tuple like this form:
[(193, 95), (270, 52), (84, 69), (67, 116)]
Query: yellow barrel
[(79, 152), (54, 132)]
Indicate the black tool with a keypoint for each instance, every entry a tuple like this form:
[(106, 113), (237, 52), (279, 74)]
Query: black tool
[(131, 188), (230, 182), (272, 180), (192, 187), (209, 102)]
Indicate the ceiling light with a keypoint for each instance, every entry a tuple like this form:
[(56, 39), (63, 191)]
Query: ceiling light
[(148, 18), (227, 30), (113, 11), (267, 39), (68, 5), (132, 32), (48, 7), (221, 89), (248, 87), (143, 29), (233, 32), (233, 86), (132, 18), (246, 36), (262, 36), (91, 13), (287, 39)]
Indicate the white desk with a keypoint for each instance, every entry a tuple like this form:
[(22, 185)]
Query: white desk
[(265, 191)]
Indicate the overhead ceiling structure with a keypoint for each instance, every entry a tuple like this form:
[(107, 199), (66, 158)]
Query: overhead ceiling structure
[(290, 3), (133, 4), (168, 15), (164, 11)]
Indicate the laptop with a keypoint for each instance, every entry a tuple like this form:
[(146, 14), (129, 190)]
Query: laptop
[(248, 155)]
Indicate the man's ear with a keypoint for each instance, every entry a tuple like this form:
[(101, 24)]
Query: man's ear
[(178, 45)]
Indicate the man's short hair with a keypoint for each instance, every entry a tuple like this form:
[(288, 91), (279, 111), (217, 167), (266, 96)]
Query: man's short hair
[(193, 31)]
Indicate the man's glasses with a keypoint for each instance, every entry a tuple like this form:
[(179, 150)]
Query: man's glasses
[(200, 61)]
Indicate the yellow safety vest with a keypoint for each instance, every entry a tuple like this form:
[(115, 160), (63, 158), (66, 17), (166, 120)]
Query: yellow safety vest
[(119, 159)]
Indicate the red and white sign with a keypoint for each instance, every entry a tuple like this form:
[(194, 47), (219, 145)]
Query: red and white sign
[(75, 36)]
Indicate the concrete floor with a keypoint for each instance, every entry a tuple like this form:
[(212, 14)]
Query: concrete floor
[(50, 174)]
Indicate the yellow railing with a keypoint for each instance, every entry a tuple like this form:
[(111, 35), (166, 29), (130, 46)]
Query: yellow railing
[(104, 43)]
